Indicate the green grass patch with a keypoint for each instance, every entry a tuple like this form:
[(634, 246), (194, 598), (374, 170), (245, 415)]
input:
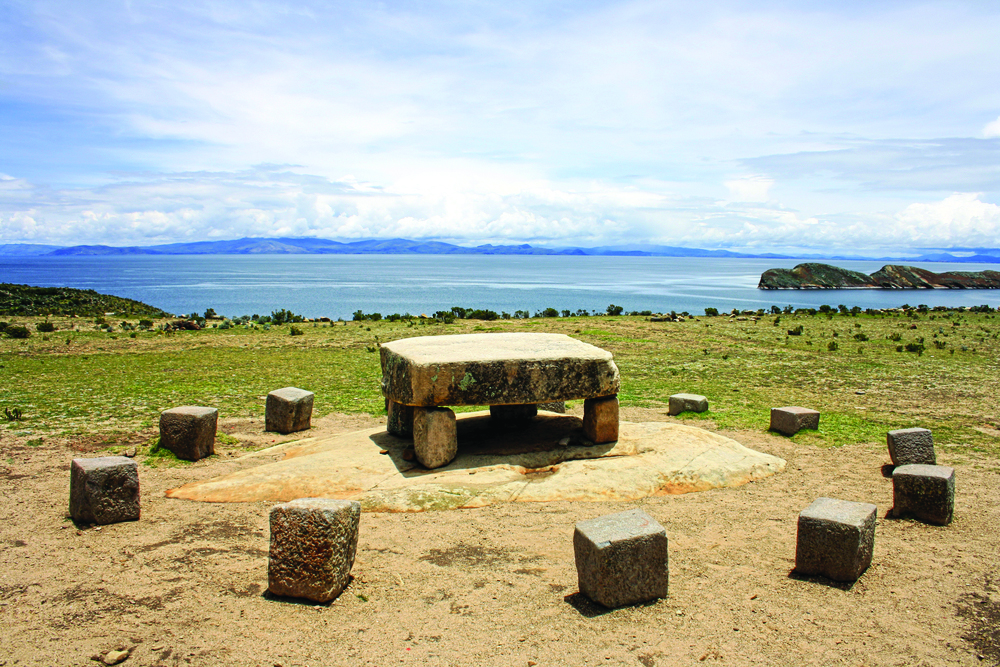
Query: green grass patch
[(99, 385)]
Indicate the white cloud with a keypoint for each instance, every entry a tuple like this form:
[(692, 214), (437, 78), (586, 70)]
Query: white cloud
[(960, 216), (749, 188), (992, 130), (501, 122)]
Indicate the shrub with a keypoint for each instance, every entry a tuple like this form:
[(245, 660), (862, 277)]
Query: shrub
[(549, 312), (488, 315), (17, 331), (894, 337), (940, 344), (283, 316), (45, 327), (915, 347), (797, 331), (3, 326), (295, 331), (12, 414), (711, 312), (860, 337), (145, 324), (832, 346), (611, 310)]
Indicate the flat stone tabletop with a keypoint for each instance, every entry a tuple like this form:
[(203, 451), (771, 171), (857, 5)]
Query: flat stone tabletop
[(495, 369)]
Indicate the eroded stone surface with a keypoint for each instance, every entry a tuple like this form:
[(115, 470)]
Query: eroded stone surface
[(104, 490), (925, 492), (495, 369), (835, 539), (435, 437), (911, 445), (600, 419), (399, 419), (288, 410), (523, 465), (189, 431), (792, 419), (622, 558), (313, 544), (687, 403)]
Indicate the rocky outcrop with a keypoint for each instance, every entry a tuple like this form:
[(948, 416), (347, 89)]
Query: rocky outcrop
[(823, 276)]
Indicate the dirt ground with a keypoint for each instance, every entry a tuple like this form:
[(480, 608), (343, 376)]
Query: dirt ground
[(186, 584)]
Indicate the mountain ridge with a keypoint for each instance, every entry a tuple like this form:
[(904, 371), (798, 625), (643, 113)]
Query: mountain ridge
[(315, 246)]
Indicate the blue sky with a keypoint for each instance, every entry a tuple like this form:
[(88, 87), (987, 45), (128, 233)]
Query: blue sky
[(811, 126)]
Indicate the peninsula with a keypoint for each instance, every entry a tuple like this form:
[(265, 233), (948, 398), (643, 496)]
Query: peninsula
[(823, 276)]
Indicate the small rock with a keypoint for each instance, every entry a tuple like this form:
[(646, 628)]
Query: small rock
[(130, 452), (383, 451), (114, 657), (564, 442), (158, 647), (860, 392), (409, 454)]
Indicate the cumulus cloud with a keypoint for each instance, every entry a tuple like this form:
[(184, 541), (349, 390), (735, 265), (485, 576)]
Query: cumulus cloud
[(749, 188), (960, 216), (282, 202), (992, 130)]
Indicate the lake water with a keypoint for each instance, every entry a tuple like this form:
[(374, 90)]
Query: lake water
[(337, 285)]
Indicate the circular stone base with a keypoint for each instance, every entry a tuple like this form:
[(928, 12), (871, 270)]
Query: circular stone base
[(546, 459)]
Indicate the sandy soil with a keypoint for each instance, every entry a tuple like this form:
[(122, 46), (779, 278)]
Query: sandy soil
[(495, 586)]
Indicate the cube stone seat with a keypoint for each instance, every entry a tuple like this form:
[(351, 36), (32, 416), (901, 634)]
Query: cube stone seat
[(622, 558), (835, 539), (925, 492)]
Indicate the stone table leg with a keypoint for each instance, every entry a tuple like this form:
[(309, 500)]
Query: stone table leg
[(400, 420), (600, 419), (435, 436)]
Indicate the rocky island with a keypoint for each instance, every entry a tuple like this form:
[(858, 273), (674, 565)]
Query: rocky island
[(892, 276)]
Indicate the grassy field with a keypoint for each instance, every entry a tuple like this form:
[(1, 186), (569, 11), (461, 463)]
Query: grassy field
[(79, 382)]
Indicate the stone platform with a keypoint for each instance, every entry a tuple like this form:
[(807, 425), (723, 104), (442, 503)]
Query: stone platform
[(544, 460)]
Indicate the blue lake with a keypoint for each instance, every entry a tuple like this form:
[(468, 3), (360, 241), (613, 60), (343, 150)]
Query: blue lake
[(337, 285)]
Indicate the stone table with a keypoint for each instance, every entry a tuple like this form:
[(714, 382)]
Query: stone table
[(510, 372)]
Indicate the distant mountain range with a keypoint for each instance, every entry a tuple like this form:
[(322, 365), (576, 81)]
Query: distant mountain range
[(311, 246)]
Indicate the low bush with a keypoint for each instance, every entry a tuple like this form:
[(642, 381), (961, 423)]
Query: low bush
[(16, 331), (45, 327), (797, 331), (295, 331)]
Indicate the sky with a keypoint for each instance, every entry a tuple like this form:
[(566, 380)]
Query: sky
[(757, 126)]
